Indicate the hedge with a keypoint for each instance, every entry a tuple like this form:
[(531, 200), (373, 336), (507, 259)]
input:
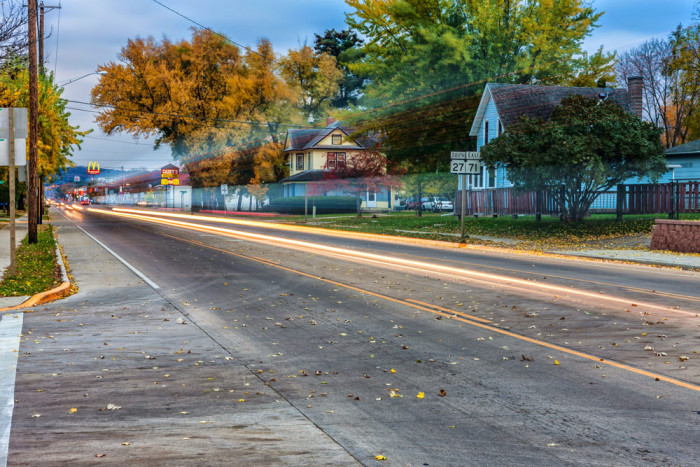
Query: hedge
[(324, 204)]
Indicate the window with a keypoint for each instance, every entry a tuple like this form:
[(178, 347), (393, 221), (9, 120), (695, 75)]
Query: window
[(308, 161), (300, 162), (492, 178), (337, 140), (335, 160), (486, 133)]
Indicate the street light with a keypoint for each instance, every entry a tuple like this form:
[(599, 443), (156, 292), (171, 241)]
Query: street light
[(81, 77)]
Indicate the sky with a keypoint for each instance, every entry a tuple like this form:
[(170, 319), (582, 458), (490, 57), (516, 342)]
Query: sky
[(87, 33)]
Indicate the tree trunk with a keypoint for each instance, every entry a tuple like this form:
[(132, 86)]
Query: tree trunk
[(358, 201)]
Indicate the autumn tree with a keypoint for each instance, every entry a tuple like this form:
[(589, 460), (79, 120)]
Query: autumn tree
[(683, 61), (315, 78), (428, 62), (666, 101), (57, 138), (586, 147)]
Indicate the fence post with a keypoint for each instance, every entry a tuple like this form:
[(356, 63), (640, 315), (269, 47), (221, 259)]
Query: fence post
[(671, 215), (620, 204)]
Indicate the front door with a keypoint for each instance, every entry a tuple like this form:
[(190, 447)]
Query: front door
[(371, 199)]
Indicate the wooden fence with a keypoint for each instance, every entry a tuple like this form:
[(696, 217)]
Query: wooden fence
[(679, 196)]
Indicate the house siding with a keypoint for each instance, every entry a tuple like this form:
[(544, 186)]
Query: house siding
[(491, 116)]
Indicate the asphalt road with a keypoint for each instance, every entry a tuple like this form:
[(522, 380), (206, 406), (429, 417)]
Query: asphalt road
[(421, 354)]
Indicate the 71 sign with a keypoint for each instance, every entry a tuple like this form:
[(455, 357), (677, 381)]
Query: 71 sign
[(465, 167)]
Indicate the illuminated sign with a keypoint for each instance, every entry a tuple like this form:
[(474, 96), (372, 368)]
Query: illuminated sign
[(93, 168), (170, 175)]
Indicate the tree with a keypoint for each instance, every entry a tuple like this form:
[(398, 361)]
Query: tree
[(13, 34), (315, 78), (363, 171), (666, 102), (428, 61), (587, 146), (344, 46), (684, 63), (56, 137)]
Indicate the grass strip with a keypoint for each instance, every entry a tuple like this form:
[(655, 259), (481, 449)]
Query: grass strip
[(35, 267)]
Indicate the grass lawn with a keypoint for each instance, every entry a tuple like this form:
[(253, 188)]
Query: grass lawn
[(36, 267), (548, 231)]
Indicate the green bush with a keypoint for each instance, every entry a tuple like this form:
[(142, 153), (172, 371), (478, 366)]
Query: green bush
[(324, 204)]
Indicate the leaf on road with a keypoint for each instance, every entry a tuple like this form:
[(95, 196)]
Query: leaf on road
[(380, 457), (420, 395), (72, 410), (113, 407), (556, 362), (442, 393)]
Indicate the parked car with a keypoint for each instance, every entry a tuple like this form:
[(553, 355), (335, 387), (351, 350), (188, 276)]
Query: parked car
[(412, 203), (85, 202), (438, 204)]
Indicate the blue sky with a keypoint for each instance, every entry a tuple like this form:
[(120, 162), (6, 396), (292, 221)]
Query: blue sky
[(90, 33)]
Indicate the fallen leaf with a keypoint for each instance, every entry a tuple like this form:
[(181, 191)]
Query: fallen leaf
[(72, 410), (420, 395), (380, 457), (442, 393), (556, 362)]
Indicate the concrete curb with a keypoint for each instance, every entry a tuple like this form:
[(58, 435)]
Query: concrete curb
[(61, 291)]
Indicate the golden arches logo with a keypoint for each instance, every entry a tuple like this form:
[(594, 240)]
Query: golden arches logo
[(93, 168)]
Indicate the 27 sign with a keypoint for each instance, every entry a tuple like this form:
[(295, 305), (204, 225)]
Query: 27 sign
[(465, 167)]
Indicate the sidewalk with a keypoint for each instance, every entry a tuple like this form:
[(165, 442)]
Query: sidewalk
[(20, 233)]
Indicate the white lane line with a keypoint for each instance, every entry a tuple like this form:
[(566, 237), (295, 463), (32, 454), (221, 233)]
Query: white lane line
[(10, 330), (123, 261)]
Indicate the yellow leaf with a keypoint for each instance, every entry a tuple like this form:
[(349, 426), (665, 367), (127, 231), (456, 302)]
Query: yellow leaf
[(380, 457), (241, 400), (556, 362), (420, 395), (73, 410), (393, 371)]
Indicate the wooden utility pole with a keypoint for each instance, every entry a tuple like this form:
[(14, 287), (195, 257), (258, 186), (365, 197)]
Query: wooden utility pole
[(32, 157)]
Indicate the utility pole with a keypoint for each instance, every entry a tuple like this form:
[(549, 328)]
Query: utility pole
[(32, 194)]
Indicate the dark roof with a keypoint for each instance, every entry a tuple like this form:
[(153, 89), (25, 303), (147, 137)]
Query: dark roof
[(687, 148), (513, 100), (314, 175), (539, 101), (299, 140)]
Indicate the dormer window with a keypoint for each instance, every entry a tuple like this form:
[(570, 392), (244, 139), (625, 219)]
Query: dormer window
[(337, 140)]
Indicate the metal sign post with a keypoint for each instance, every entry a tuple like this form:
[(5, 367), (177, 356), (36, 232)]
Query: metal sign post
[(11, 164), (465, 163)]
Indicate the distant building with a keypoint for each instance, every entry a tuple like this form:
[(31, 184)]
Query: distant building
[(683, 162)]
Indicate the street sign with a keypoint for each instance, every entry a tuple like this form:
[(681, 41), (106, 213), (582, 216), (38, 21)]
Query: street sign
[(224, 189), (20, 151), (465, 155), (465, 167), (21, 127)]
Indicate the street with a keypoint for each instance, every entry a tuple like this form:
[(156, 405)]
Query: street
[(416, 352)]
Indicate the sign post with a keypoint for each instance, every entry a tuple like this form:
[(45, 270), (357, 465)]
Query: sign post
[(463, 164), (11, 164)]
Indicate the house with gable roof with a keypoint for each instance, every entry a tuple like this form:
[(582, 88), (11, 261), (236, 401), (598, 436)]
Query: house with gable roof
[(501, 105), (312, 152)]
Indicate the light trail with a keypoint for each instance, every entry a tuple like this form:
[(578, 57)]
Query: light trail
[(391, 240), (452, 272)]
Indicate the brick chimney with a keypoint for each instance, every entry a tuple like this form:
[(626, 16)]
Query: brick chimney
[(635, 91)]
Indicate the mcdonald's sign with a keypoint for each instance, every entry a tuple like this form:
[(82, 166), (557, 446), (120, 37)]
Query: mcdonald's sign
[(93, 168)]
